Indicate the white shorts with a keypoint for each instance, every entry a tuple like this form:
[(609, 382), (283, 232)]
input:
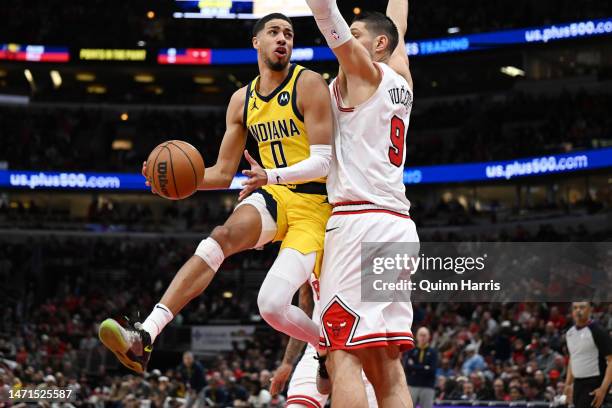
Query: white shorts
[(347, 322), (303, 384)]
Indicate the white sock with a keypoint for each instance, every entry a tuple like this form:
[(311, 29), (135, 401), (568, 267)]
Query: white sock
[(157, 320)]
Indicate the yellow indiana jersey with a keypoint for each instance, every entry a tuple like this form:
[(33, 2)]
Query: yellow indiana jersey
[(276, 123)]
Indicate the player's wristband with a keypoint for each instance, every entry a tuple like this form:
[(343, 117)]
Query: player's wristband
[(330, 22)]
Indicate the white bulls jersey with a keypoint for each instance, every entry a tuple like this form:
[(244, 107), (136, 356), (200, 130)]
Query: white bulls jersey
[(303, 384), (369, 145)]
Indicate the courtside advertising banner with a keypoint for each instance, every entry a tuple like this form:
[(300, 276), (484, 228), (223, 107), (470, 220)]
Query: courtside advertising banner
[(219, 338), (449, 173)]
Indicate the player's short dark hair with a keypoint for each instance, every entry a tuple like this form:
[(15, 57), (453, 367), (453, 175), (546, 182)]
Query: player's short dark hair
[(379, 24), (261, 23)]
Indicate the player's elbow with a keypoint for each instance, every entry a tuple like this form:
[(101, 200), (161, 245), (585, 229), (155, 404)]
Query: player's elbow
[(322, 154), (225, 178)]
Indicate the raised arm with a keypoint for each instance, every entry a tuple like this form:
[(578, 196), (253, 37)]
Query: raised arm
[(234, 140), (354, 59), (397, 11)]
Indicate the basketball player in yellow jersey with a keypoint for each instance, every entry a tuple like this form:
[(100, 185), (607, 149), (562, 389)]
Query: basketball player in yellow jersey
[(287, 109)]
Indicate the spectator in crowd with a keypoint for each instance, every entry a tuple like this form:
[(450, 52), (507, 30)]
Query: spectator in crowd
[(556, 318), (480, 385), (468, 392), (192, 372), (490, 324), (499, 390), (473, 361), (236, 393), (552, 336), (547, 356), (515, 394), (444, 368), (215, 393), (420, 365)]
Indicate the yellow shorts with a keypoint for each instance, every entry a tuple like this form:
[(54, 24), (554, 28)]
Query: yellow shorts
[(300, 217)]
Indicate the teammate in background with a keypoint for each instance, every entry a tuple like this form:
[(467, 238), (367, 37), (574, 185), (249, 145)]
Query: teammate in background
[(373, 99), (302, 392), (287, 110)]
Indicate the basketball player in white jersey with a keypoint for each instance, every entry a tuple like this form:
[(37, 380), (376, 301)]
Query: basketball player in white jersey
[(372, 99), (302, 392)]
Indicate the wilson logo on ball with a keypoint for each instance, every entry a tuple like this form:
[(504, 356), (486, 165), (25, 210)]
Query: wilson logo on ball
[(177, 169), (162, 177)]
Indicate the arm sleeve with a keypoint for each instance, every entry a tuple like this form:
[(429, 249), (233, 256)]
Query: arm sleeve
[(314, 167), (330, 22), (602, 340)]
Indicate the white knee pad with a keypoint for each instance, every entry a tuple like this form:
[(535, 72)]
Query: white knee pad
[(268, 223), (211, 252)]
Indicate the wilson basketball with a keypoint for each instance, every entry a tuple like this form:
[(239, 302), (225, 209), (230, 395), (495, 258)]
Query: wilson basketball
[(175, 169)]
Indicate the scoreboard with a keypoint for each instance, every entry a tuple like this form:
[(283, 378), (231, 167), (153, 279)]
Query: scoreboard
[(240, 9), (33, 53)]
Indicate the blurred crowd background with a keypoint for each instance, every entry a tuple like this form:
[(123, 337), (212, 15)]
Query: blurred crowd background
[(457, 131), (59, 289), (70, 258)]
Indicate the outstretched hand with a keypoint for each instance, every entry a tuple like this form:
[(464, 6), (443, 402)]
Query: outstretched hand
[(144, 174), (281, 376), (257, 177)]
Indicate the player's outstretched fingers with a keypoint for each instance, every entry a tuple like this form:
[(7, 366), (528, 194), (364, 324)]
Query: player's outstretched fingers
[(249, 173), (251, 160), (250, 181), (245, 192), (276, 386)]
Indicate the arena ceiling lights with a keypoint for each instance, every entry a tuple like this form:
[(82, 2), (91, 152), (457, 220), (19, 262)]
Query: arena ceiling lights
[(512, 71), (85, 77)]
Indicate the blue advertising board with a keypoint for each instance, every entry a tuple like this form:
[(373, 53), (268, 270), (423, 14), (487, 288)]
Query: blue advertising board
[(449, 173)]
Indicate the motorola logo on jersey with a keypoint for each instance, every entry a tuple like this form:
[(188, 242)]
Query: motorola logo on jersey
[(283, 98)]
